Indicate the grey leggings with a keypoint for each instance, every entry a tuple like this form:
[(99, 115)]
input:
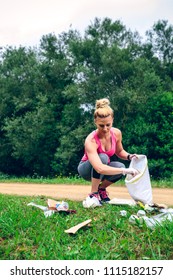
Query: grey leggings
[(86, 171)]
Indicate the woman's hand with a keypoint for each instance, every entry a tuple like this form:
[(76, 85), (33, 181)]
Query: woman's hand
[(131, 171), (130, 156)]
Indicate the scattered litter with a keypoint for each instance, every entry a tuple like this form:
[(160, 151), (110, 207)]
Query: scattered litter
[(123, 213), (51, 203), (44, 208), (141, 213), (58, 205), (49, 213), (91, 202), (153, 221), (169, 210), (134, 219), (53, 207), (154, 207), (62, 206), (120, 201), (77, 227), (158, 219)]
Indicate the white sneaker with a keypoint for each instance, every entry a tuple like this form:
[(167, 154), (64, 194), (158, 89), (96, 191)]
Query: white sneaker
[(92, 201)]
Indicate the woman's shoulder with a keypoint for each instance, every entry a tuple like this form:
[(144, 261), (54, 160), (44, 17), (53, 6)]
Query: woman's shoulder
[(117, 132), (90, 142), (90, 137)]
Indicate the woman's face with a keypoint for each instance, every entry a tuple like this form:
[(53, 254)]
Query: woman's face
[(104, 124)]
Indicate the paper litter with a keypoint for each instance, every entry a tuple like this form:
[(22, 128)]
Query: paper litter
[(122, 201), (53, 207)]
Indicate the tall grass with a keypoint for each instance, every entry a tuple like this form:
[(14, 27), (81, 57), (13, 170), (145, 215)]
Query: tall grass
[(25, 233)]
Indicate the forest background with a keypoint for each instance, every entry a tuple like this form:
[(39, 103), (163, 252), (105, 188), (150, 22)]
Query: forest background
[(48, 94)]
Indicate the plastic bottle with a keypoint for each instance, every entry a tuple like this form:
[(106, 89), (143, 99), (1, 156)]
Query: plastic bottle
[(62, 206), (141, 213), (123, 213), (158, 219)]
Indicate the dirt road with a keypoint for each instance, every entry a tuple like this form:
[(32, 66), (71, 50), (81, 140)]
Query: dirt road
[(78, 192)]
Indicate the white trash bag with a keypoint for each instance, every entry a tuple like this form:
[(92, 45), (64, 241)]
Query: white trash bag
[(139, 186)]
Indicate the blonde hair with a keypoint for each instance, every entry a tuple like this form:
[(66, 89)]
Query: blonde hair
[(102, 108)]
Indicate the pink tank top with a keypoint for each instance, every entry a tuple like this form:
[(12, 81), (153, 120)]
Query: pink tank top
[(110, 153)]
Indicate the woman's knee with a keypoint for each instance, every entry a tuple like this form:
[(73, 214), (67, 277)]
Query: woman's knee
[(84, 170), (117, 164), (104, 158)]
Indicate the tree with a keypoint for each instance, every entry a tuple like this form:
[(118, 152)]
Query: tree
[(161, 39), (33, 138), (19, 77), (48, 95)]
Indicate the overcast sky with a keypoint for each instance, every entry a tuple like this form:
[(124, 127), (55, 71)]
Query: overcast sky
[(24, 22)]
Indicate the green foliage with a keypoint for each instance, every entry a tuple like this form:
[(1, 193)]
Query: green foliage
[(161, 38), (47, 97), (32, 136)]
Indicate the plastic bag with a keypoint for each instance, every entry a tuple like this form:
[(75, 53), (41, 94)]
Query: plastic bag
[(139, 187), (158, 219), (151, 222), (91, 202)]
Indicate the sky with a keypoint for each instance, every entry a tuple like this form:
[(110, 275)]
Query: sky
[(24, 22)]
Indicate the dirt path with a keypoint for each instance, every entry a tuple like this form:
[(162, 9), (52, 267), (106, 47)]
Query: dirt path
[(78, 192)]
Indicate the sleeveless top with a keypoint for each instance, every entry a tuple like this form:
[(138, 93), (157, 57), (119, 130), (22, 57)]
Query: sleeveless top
[(110, 153)]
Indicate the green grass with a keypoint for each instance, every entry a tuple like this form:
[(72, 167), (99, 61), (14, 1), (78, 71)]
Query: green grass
[(25, 233), (73, 180)]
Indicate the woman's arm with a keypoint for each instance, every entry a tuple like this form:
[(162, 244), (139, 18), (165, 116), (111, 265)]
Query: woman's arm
[(120, 152)]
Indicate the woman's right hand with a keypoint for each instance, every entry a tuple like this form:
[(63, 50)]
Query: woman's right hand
[(131, 171)]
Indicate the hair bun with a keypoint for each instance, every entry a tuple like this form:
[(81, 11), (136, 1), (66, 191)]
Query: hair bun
[(101, 103)]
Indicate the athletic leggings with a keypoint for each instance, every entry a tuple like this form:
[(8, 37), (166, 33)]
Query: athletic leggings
[(86, 171)]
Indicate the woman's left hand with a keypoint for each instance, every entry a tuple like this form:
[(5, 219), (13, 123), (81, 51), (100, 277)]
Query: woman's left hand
[(130, 156)]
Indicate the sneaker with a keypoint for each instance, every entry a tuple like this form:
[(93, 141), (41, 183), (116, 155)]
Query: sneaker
[(92, 201), (103, 195)]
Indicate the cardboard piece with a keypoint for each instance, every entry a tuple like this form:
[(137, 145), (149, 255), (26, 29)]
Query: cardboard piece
[(122, 201), (52, 203), (77, 227)]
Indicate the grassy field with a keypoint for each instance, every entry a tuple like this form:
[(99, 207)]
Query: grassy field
[(74, 180), (26, 234)]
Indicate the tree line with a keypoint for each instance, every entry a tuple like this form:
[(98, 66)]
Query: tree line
[(48, 94)]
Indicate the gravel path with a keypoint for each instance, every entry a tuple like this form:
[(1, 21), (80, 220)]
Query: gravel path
[(78, 192)]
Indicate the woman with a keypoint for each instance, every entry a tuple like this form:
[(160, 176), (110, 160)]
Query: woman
[(100, 145)]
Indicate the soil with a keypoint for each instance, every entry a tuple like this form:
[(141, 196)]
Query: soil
[(78, 192)]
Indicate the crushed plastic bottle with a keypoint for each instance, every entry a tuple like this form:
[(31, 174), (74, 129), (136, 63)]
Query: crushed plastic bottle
[(151, 222), (123, 213), (62, 206), (169, 210), (141, 213), (134, 219), (158, 219)]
